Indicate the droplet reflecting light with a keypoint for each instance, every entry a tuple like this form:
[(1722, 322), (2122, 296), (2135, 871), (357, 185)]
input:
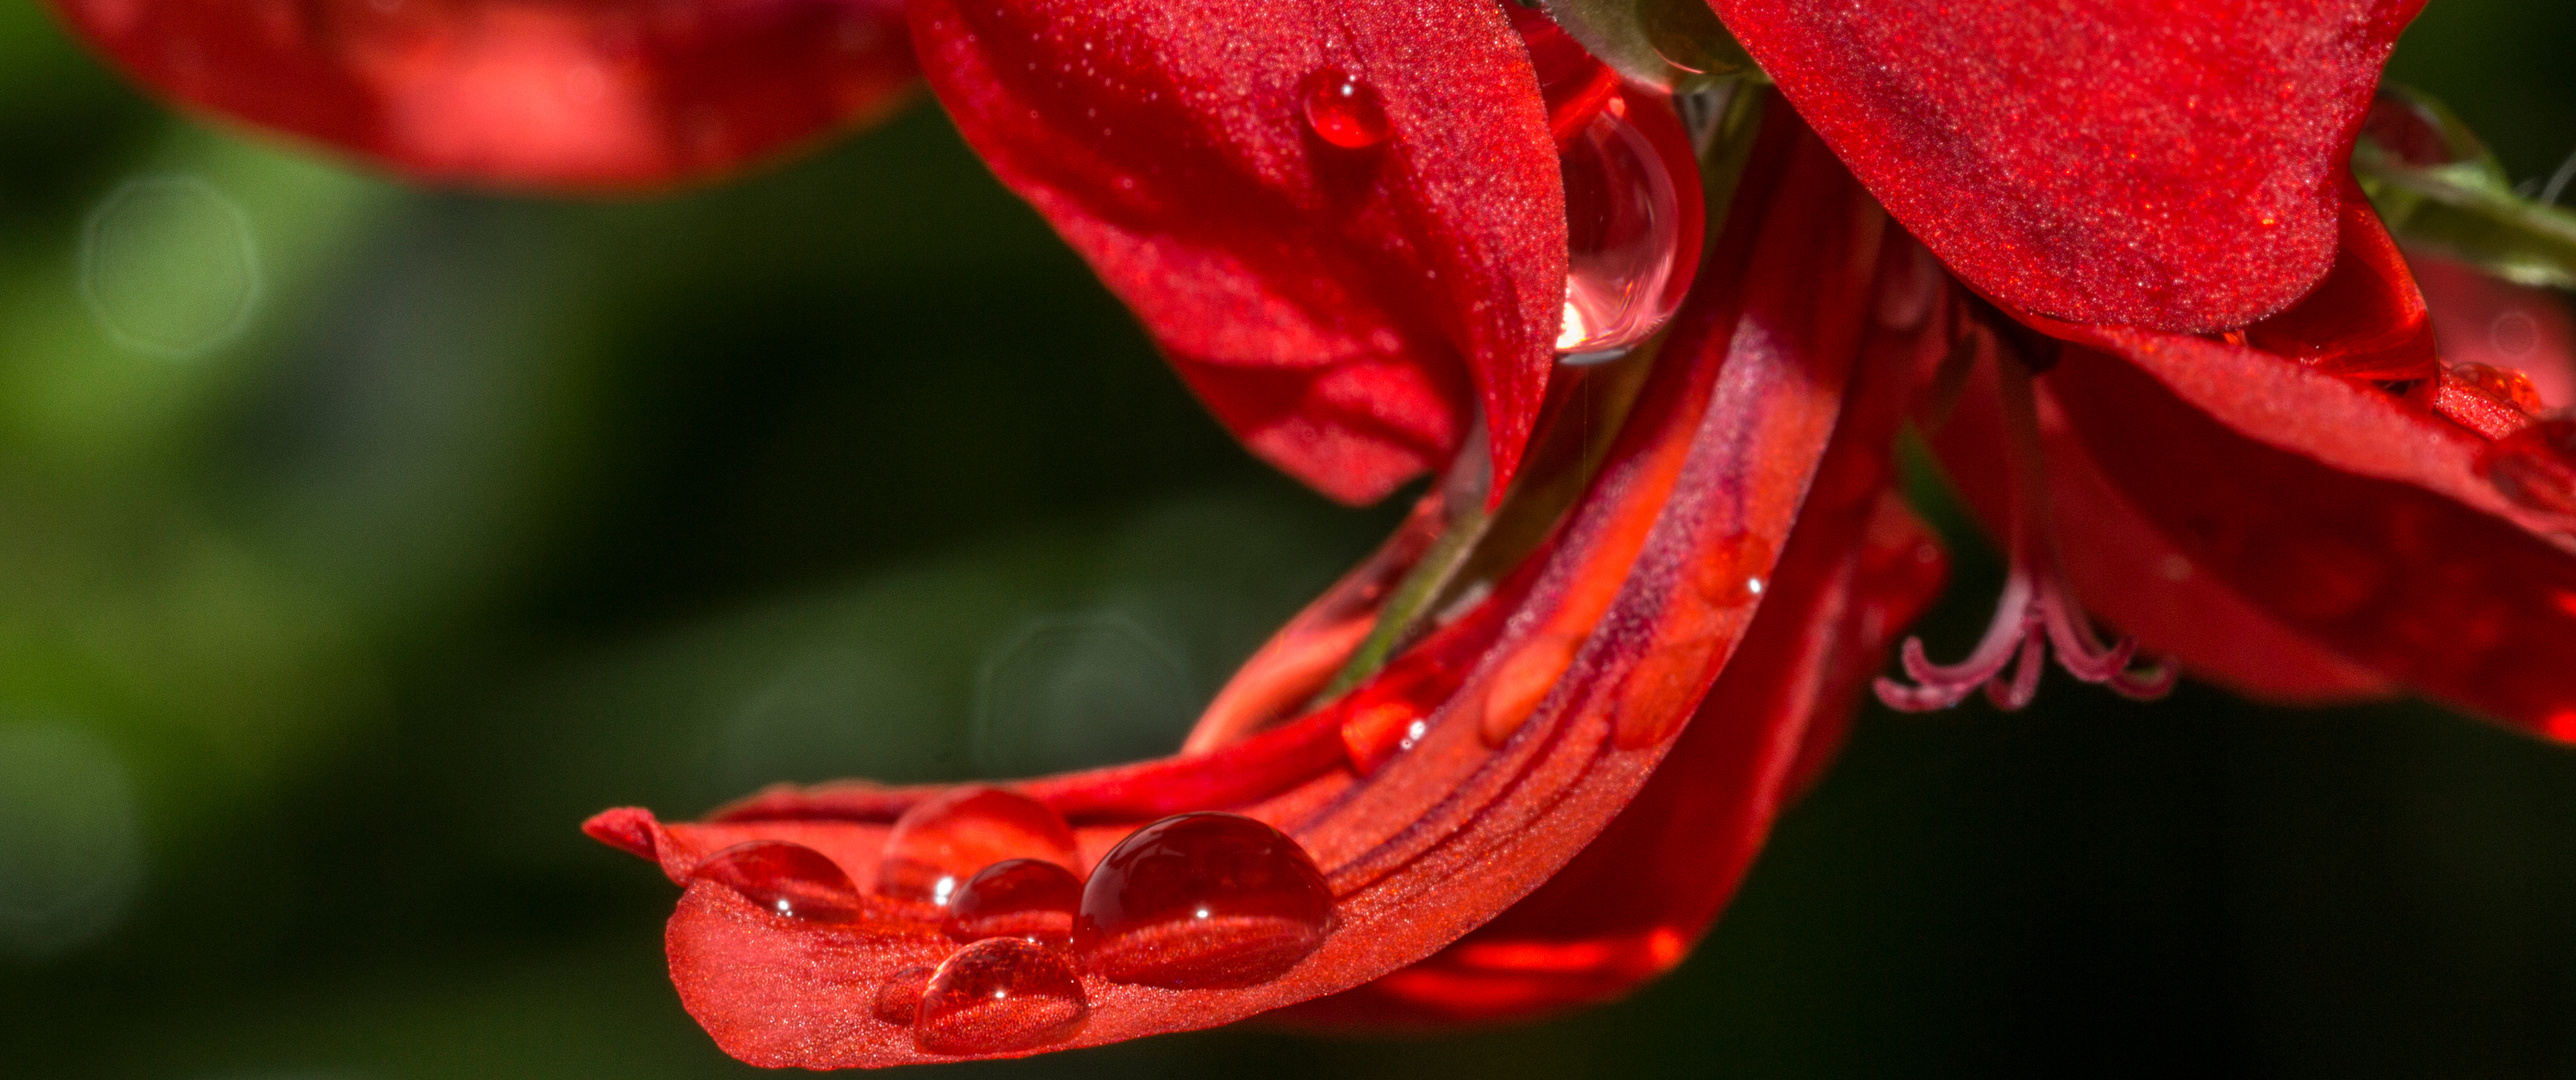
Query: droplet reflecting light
[(2536, 467), (1023, 898), (1342, 110), (1202, 901), (941, 842), (997, 995), (1632, 227), (785, 879)]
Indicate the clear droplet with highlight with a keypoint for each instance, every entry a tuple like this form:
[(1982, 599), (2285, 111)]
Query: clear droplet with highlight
[(1031, 899), (785, 879), (1343, 110), (999, 995), (1632, 215), (944, 840), (1202, 901)]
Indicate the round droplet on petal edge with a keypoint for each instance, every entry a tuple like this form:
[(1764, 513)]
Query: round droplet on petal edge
[(2536, 467), (1202, 901), (899, 997), (1624, 230), (1342, 110), (2504, 384), (938, 844), (1030, 899), (999, 995), (785, 879)]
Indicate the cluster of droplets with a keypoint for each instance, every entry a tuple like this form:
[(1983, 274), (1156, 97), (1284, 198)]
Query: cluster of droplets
[(1630, 198), (1195, 901)]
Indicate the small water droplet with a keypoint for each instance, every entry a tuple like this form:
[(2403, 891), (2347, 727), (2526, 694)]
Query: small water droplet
[(1632, 221), (1342, 110), (998, 995), (2536, 466), (941, 842), (1030, 899), (1202, 901), (2504, 384), (899, 997), (785, 879)]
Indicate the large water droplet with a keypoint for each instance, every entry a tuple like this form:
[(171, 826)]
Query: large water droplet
[(941, 842), (785, 879), (1632, 226), (2536, 466), (997, 995), (1342, 110), (2508, 385), (899, 997), (1023, 898), (1202, 900)]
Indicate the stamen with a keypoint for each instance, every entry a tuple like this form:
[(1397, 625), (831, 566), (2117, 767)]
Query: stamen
[(2037, 611)]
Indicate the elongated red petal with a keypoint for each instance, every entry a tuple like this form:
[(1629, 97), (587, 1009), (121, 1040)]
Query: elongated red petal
[(580, 94), (2172, 166), (1636, 605), (1339, 296), (1859, 568)]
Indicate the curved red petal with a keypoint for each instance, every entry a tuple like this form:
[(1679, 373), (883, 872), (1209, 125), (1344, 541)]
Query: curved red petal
[(578, 94), (1857, 570), (1638, 601), (2365, 320), (1340, 308), (2104, 161), (2393, 569)]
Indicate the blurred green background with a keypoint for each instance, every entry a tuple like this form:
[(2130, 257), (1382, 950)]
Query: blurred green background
[(356, 542)]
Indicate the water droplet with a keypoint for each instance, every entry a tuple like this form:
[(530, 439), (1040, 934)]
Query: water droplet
[(2504, 384), (998, 995), (2536, 466), (941, 842), (168, 266), (1342, 110), (1632, 219), (899, 997), (1023, 898), (1202, 901), (785, 879)]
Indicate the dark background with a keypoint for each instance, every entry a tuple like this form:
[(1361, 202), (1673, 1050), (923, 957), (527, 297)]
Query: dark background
[(318, 639)]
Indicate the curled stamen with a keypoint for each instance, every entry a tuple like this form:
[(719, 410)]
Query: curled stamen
[(2037, 612)]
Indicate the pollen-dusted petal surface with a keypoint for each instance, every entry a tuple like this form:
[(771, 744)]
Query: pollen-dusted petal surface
[(1635, 604), (566, 94), (2173, 166), (1340, 289)]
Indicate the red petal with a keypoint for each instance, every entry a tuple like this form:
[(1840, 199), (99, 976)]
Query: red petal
[(1333, 306), (553, 93), (2106, 161), (2399, 566), (2365, 320), (2128, 571), (1859, 568), (1642, 597)]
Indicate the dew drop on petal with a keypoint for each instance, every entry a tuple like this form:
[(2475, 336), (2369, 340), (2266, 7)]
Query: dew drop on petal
[(942, 841), (2536, 466), (1625, 222), (2504, 384), (1342, 110), (998, 995), (1031, 899), (899, 997), (786, 879), (1202, 901)]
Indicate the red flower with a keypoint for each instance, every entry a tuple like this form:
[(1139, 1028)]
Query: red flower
[(2109, 254)]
